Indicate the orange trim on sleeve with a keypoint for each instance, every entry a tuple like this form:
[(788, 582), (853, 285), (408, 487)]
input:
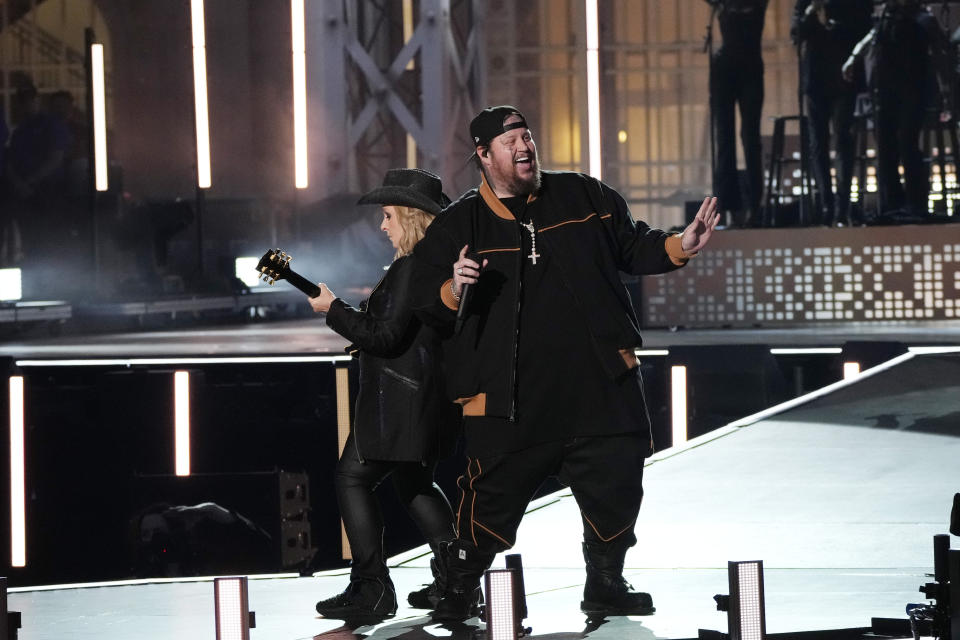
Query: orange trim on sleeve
[(474, 405), (446, 295), (629, 358), (674, 248)]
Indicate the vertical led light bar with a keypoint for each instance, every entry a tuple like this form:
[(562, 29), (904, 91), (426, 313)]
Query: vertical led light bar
[(200, 93), (181, 420), (851, 370), (407, 34), (99, 118), (299, 47), (593, 89), (343, 430), (232, 608), (18, 516), (678, 404), (746, 618), (500, 608)]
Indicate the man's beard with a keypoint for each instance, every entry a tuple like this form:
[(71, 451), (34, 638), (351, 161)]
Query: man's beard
[(526, 186)]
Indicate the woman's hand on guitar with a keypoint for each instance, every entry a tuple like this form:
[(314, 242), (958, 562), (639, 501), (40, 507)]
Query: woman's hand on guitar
[(321, 303)]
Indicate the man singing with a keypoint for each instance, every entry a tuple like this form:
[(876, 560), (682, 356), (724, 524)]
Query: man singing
[(544, 365)]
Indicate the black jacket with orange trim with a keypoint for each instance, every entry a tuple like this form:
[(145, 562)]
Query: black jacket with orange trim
[(588, 229), (401, 412)]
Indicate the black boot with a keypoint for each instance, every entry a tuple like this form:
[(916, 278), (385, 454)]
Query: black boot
[(465, 567), (606, 593), (429, 595), (362, 600)]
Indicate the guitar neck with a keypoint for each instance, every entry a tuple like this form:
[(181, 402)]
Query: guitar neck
[(302, 283)]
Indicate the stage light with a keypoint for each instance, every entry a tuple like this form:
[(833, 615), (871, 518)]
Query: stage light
[(11, 287), (678, 405), (18, 515), (181, 412), (500, 608), (200, 94), (99, 117), (299, 47), (234, 618), (593, 88), (245, 269), (851, 370), (746, 618)]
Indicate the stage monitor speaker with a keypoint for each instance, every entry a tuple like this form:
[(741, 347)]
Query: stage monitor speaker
[(219, 523), (727, 382)]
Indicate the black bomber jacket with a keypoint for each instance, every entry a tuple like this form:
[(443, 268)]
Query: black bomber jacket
[(588, 229)]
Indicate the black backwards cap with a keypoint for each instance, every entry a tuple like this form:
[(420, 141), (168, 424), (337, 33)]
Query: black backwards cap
[(488, 124)]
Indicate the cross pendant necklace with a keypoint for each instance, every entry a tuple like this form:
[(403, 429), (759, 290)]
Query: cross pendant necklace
[(533, 241)]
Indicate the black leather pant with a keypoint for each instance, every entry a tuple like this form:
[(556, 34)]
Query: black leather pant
[(360, 510)]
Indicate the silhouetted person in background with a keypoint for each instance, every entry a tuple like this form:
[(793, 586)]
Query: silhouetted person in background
[(904, 51), (736, 79), (9, 231), (34, 171), (826, 31)]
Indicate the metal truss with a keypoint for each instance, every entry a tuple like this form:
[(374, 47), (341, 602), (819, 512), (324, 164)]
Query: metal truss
[(378, 86)]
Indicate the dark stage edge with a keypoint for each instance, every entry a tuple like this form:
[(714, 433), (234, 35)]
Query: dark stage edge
[(839, 493), (311, 337)]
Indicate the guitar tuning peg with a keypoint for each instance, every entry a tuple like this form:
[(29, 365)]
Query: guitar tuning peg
[(273, 280)]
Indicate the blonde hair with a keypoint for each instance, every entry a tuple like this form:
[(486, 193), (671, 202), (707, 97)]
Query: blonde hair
[(414, 223)]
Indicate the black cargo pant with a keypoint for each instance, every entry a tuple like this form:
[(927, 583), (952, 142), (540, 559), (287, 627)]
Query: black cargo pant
[(605, 474)]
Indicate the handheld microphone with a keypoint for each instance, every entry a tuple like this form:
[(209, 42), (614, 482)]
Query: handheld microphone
[(465, 294)]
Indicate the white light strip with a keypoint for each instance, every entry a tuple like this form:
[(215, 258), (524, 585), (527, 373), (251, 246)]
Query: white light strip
[(145, 581), (933, 350), (806, 351), (200, 94), (99, 118), (678, 405), (181, 420), (130, 362), (651, 352), (299, 47), (18, 517), (593, 89), (851, 370)]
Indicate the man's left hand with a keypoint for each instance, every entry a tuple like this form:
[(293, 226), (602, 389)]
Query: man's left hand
[(698, 232)]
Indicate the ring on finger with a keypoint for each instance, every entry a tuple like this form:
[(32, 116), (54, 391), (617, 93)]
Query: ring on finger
[(460, 271)]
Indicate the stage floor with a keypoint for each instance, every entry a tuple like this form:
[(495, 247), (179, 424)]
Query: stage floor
[(840, 495), (312, 337)]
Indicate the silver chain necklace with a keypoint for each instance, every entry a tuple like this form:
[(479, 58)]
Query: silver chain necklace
[(533, 241)]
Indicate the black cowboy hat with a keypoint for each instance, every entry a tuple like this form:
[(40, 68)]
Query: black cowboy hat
[(411, 188)]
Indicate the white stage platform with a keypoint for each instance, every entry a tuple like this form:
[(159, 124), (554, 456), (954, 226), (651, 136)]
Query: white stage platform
[(839, 494)]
